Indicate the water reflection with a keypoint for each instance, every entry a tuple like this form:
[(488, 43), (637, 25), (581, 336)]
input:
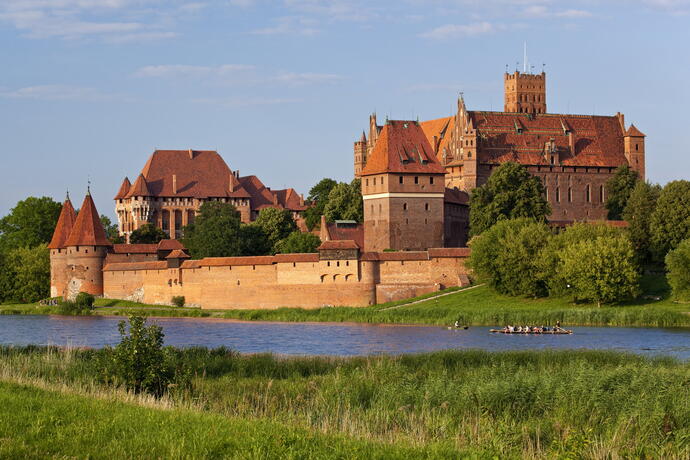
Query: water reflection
[(344, 339)]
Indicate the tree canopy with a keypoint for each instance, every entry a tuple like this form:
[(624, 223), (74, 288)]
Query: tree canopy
[(678, 275), (638, 213), (298, 242), (111, 231), (318, 197), (511, 192), (670, 220), (147, 234), (345, 202), (215, 231), (30, 223), (253, 241), (25, 274), (276, 224), (618, 190)]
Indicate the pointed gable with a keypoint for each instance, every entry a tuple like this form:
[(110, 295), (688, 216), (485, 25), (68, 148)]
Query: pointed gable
[(124, 189), (140, 188), (634, 132), (64, 226), (402, 147), (88, 229)]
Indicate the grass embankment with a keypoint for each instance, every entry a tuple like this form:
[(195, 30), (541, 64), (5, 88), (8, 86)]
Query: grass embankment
[(479, 306), (568, 404)]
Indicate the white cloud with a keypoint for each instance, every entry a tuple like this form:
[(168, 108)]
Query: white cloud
[(541, 11), (289, 25), (57, 93), (184, 71), (450, 31)]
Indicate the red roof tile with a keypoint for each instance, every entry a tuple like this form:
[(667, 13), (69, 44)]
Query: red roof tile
[(129, 266), (456, 196), (294, 258), (178, 254), (135, 248), (442, 128), (393, 256), (225, 261), (634, 132), (402, 147), (88, 229), (449, 252), (169, 245), (353, 233), (124, 189), (338, 244), (140, 188), (64, 226)]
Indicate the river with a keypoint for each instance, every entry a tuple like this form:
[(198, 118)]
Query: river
[(341, 339)]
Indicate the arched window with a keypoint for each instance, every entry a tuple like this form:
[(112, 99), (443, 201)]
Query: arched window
[(570, 195), (404, 206), (601, 194), (588, 193), (558, 194), (426, 206)]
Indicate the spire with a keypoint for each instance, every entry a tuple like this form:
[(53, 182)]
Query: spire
[(124, 189), (88, 229), (140, 188), (64, 225), (363, 138)]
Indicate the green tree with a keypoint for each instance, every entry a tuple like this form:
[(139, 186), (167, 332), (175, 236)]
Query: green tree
[(253, 241), (147, 234), (603, 270), (670, 222), (678, 275), (618, 190), (345, 202), (277, 224), (507, 256), (31, 222), (318, 197), (638, 213), (27, 274), (111, 231), (511, 192), (215, 231), (551, 261), (298, 242)]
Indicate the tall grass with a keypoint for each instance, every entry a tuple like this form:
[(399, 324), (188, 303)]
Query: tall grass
[(514, 404)]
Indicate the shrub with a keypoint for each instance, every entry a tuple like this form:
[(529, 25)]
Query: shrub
[(678, 265), (69, 307), (298, 242), (178, 300), (84, 300)]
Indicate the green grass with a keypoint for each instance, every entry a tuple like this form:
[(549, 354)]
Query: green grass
[(480, 306), (551, 404)]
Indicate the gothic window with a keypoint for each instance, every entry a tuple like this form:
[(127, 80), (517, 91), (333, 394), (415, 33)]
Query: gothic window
[(416, 179), (588, 194), (404, 206), (558, 194), (570, 195), (400, 179), (431, 180), (426, 206), (637, 147), (601, 193), (374, 181)]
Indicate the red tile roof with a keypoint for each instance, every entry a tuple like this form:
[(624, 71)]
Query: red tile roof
[(225, 261), (597, 140), (353, 233), (135, 248), (64, 226), (140, 188), (124, 189), (294, 258), (169, 245), (402, 147), (456, 196), (399, 255), (449, 252), (442, 128), (88, 229), (338, 244), (129, 266), (178, 254), (634, 132)]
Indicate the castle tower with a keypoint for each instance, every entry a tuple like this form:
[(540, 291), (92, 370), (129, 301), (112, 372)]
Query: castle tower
[(525, 92), (403, 189), (360, 155), (141, 210), (58, 250), (87, 247), (123, 217), (634, 150)]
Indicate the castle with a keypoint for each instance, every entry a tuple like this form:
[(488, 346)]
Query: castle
[(175, 183), (573, 155)]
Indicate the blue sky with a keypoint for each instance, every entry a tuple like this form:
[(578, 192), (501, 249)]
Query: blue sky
[(281, 88)]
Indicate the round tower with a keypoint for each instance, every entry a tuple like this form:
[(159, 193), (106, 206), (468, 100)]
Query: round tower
[(87, 248), (58, 250)]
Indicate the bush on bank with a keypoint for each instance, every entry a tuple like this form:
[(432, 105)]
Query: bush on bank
[(678, 264)]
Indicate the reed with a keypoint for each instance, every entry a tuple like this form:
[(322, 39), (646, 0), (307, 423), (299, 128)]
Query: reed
[(452, 403)]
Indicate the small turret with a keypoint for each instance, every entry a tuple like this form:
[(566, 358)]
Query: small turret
[(634, 150)]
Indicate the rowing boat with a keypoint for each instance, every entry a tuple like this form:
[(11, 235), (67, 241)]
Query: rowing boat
[(559, 332)]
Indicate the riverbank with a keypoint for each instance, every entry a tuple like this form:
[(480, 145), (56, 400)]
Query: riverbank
[(438, 405), (474, 306)]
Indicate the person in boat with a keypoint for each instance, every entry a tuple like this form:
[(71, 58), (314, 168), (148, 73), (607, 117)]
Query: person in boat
[(457, 323), (511, 329)]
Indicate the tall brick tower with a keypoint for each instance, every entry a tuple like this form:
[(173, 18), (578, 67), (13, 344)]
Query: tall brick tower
[(633, 141), (87, 247), (360, 155), (525, 92), (403, 189), (58, 250)]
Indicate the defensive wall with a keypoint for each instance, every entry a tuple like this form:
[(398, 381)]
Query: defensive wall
[(338, 275)]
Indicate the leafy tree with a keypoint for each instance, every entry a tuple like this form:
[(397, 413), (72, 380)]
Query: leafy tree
[(603, 270), (111, 231), (511, 192), (507, 255), (147, 234), (215, 231), (31, 222), (345, 202), (27, 274), (551, 257), (638, 213), (253, 241), (670, 222), (618, 190), (318, 197), (678, 275), (277, 224), (298, 242)]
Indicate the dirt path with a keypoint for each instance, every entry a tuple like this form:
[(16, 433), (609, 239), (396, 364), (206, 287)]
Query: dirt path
[(431, 298)]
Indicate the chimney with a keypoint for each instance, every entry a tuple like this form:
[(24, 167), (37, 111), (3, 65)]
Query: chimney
[(301, 199), (175, 183), (435, 146), (191, 154), (233, 181), (571, 143)]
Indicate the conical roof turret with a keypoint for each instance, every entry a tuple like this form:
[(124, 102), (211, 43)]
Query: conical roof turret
[(88, 229), (64, 225), (124, 189)]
